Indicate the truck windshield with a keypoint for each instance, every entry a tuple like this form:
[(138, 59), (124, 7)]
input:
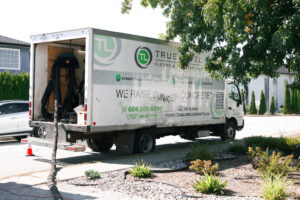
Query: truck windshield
[(233, 92)]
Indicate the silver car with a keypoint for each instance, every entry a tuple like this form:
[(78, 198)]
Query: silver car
[(14, 119)]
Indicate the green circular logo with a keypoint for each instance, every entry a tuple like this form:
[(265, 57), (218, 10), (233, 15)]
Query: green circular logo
[(106, 49), (118, 77), (143, 57)]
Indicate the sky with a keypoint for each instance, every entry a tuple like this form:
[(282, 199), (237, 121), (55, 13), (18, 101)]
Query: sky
[(22, 18)]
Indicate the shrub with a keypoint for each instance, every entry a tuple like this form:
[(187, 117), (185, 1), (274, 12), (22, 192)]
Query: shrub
[(293, 101), (298, 102), (204, 167), (287, 100), (14, 86), (272, 106), (210, 184), (271, 165), (141, 170), (92, 174), (253, 109), (262, 104), (199, 151), (243, 100), (274, 188), (238, 149), (283, 144)]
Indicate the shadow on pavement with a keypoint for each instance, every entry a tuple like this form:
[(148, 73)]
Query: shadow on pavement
[(14, 191), (163, 153), (113, 156)]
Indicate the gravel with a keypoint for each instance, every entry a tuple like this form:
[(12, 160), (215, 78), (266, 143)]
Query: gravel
[(161, 186)]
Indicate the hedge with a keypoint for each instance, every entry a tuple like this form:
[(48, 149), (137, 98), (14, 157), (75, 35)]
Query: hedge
[(14, 86)]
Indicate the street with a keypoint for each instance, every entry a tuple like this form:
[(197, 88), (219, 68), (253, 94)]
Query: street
[(18, 168), (13, 153)]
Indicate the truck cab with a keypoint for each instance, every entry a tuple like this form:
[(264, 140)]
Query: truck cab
[(234, 111)]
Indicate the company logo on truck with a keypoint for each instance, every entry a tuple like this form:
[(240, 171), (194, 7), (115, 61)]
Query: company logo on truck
[(143, 57), (106, 49)]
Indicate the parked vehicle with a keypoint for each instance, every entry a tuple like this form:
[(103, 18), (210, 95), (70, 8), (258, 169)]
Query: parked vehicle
[(14, 119), (132, 91)]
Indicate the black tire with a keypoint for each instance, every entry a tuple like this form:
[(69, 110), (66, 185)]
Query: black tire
[(89, 144), (99, 145), (229, 131), (38, 132), (144, 143)]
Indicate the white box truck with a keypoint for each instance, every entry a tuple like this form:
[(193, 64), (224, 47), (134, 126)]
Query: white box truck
[(131, 91)]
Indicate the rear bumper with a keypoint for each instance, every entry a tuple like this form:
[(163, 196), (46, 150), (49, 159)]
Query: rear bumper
[(67, 127)]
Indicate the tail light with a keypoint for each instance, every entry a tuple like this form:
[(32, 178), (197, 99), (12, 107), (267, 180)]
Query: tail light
[(85, 113), (29, 110)]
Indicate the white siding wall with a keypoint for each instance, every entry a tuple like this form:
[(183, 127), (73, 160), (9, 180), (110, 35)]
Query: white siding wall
[(276, 89)]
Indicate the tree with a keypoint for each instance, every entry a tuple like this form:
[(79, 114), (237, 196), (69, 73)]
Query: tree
[(294, 100), (246, 38), (262, 104), (51, 180), (287, 99), (253, 109), (272, 106), (298, 102), (243, 100)]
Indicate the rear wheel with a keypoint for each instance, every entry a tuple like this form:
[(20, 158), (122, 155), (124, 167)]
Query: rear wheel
[(144, 143), (229, 131), (39, 132), (99, 145)]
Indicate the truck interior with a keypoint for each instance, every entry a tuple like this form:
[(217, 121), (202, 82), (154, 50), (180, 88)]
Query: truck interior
[(59, 72)]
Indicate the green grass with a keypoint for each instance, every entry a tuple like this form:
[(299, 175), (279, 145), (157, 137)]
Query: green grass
[(282, 144), (92, 174), (142, 170), (237, 149), (210, 185), (200, 152)]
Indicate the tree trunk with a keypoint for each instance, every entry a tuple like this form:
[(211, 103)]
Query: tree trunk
[(53, 171)]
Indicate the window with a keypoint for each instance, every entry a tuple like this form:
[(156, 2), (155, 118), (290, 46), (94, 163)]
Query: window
[(8, 109), (233, 92), (9, 58), (22, 107)]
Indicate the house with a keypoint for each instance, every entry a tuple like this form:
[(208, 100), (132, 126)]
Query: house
[(271, 87), (14, 55)]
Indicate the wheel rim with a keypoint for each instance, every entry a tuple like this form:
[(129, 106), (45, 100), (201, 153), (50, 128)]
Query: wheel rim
[(41, 132), (230, 132), (146, 143)]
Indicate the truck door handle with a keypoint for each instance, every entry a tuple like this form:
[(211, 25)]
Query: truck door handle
[(229, 108)]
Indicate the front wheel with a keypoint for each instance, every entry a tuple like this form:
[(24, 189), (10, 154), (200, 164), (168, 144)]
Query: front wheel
[(229, 131), (144, 143)]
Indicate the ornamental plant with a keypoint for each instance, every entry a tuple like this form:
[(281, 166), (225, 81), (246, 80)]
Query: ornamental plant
[(275, 188), (243, 100), (210, 184), (92, 174), (204, 167), (271, 164), (272, 106), (253, 109), (287, 100), (293, 101), (142, 170), (262, 104)]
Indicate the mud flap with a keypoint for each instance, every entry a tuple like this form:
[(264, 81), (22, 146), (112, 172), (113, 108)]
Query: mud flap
[(125, 143)]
